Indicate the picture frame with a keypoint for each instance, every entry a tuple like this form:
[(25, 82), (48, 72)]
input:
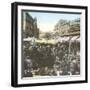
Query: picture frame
[(48, 44)]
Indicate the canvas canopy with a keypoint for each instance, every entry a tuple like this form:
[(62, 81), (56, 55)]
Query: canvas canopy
[(53, 41), (28, 39), (75, 38)]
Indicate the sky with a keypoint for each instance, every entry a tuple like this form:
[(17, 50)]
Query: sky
[(47, 21)]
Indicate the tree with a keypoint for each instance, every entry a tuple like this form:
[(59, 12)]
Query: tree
[(74, 26), (47, 35), (62, 27)]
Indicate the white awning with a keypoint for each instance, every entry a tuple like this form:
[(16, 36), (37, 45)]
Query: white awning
[(66, 38), (61, 39), (78, 39), (74, 38), (29, 39)]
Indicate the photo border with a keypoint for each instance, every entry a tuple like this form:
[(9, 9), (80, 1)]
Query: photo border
[(14, 43)]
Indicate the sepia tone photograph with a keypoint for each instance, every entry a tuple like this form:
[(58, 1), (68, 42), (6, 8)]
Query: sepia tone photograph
[(50, 43)]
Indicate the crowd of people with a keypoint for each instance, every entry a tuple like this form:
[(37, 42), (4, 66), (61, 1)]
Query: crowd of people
[(51, 60)]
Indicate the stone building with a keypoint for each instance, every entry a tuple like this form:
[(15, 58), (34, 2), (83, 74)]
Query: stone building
[(29, 26)]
